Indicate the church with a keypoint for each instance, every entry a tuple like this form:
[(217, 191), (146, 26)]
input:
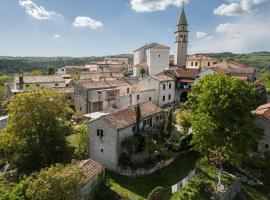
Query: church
[(154, 58)]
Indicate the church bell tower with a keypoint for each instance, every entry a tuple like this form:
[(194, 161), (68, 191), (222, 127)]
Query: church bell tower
[(181, 42)]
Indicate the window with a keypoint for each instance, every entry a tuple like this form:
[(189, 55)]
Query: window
[(138, 97), (163, 98), (169, 97), (100, 133), (266, 146), (164, 86), (191, 63), (101, 150), (27, 85), (56, 84), (170, 86), (133, 129), (150, 98), (208, 64), (159, 55), (128, 90), (157, 118), (196, 64)]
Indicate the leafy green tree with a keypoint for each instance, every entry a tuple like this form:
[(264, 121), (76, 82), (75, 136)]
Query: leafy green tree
[(36, 72), (58, 182), (142, 72), (83, 142), (222, 118), (50, 70), (169, 124), (183, 119), (37, 126), (4, 79), (138, 117), (265, 78)]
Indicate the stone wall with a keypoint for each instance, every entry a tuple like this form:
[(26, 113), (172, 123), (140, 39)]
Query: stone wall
[(143, 171), (230, 192)]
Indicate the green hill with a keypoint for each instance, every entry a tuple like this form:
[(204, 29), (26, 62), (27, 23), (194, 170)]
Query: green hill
[(258, 60)]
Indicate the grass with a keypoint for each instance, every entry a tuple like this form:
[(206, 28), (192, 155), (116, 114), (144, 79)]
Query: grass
[(258, 192), (140, 187)]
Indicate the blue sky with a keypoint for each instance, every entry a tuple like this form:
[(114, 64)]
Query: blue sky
[(105, 27)]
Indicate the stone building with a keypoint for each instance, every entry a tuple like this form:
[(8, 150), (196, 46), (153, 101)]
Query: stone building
[(198, 61), (232, 69), (262, 114), (107, 133), (94, 96), (163, 88), (181, 35), (184, 79), (94, 172)]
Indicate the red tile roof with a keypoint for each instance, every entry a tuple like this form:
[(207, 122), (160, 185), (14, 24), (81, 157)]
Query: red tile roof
[(126, 117), (184, 73), (263, 111), (91, 169)]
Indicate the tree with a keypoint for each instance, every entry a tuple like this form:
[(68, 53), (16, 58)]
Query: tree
[(36, 72), (169, 124), (138, 117), (37, 126), (83, 142), (57, 182), (222, 120), (142, 72), (50, 70), (183, 119)]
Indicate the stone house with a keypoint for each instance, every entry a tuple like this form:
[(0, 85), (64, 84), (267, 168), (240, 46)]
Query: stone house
[(233, 69), (94, 172), (199, 61), (94, 96), (184, 79), (161, 86), (262, 114), (107, 133)]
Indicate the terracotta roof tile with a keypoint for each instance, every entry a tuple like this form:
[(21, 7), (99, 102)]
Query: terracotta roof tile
[(263, 111), (91, 169), (126, 117)]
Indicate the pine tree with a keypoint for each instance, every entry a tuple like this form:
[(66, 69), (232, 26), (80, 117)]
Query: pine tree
[(168, 125), (138, 117)]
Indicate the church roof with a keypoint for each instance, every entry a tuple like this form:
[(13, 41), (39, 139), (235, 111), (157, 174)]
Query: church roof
[(153, 46), (182, 20)]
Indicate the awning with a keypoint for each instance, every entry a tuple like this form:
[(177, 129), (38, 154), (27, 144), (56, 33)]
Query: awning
[(187, 81)]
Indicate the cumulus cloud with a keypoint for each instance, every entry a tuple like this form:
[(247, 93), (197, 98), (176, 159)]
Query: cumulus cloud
[(57, 36), (87, 22), (154, 5), (37, 12), (200, 34), (237, 7), (247, 34)]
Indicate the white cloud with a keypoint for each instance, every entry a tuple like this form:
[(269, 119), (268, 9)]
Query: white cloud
[(154, 5), (246, 34), (237, 7), (86, 22), (227, 28), (37, 12), (201, 34), (57, 36)]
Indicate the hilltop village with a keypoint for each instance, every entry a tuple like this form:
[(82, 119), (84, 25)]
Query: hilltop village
[(157, 127)]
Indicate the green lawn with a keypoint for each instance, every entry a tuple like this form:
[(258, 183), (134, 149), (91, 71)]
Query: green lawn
[(140, 187)]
